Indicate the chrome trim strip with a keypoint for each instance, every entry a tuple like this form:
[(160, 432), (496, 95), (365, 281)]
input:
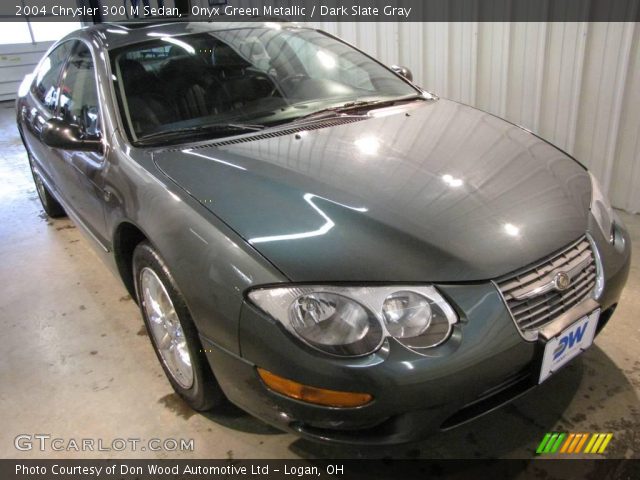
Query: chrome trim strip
[(599, 288)]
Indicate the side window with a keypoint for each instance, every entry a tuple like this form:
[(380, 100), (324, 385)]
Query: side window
[(79, 93), (45, 85)]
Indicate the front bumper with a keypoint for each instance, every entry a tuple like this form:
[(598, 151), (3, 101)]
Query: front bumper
[(485, 364)]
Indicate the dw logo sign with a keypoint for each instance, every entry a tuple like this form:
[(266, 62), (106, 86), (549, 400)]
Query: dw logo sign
[(571, 338)]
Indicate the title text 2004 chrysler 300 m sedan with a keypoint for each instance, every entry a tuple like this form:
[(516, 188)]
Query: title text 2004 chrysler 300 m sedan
[(311, 235)]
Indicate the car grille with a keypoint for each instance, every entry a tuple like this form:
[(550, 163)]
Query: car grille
[(534, 301)]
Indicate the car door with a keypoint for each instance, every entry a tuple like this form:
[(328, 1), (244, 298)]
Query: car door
[(39, 106), (80, 174)]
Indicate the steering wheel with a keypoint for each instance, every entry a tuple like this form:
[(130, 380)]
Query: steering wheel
[(260, 75), (274, 92)]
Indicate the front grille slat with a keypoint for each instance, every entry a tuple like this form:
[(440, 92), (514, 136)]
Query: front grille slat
[(543, 275), (520, 306), (535, 312), (565, 302)]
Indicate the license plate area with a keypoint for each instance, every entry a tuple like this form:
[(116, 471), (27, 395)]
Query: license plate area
[(568, 344)]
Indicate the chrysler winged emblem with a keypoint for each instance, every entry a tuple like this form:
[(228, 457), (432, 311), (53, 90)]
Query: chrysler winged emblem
[(561, 281)]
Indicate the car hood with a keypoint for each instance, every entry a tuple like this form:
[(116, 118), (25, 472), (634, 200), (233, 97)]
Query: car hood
[(433, 191)]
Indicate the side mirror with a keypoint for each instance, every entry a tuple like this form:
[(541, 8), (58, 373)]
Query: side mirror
[(404, 71), (57, 133)]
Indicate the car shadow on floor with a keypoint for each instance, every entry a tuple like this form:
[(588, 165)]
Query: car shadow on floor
[(230, 416), (564, 403)]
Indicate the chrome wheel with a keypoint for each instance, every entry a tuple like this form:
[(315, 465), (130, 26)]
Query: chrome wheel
[(40, 188), (166, 329)]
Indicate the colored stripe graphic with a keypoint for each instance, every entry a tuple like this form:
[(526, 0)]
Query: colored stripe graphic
[(596, 446), (556, 445), (605, 442), (567, 443), (592, 440), (577, 443), (598, 443), (551, 443), (543, 443), (582, 442), (555, 442)]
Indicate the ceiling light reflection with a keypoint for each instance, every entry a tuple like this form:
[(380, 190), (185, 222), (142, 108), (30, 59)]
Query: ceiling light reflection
[(409, 365), (327, 61), (179, 43), (25, 85), (452, 181), (368, 145), (511, 229), (328, 225), (190, 152)]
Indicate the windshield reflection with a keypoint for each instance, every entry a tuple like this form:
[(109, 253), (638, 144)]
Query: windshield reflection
[(261, 75)]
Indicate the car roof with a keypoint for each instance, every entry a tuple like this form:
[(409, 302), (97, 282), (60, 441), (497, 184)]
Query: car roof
[(116, 35)]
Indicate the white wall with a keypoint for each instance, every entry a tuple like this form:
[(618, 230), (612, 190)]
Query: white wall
[(15, 62), (575, 84), (22, 44)]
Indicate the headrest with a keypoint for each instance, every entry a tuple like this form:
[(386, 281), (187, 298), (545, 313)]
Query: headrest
[(225, 56), (135, 76)]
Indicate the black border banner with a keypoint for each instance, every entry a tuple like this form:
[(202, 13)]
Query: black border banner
[(329, 10), (123, 469)]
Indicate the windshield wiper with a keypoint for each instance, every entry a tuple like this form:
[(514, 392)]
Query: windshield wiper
[(199, 130), (356, 105)]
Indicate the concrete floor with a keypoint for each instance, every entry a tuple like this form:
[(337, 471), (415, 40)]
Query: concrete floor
[(76, 361)]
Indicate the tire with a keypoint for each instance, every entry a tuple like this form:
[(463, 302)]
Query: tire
[(202, 392), (49, 204)]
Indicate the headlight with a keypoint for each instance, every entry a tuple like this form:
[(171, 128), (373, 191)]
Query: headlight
[(353, 321), (416, 320), (334, 323), (601, 210), (406, 314)]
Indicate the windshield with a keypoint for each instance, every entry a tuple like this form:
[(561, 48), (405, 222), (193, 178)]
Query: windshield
[(225, 82)]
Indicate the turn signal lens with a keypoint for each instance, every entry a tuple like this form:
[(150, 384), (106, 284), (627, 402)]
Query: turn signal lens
[(319, 396)]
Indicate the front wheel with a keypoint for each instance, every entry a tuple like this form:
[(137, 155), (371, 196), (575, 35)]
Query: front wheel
[(172, 331), (49, 204)]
